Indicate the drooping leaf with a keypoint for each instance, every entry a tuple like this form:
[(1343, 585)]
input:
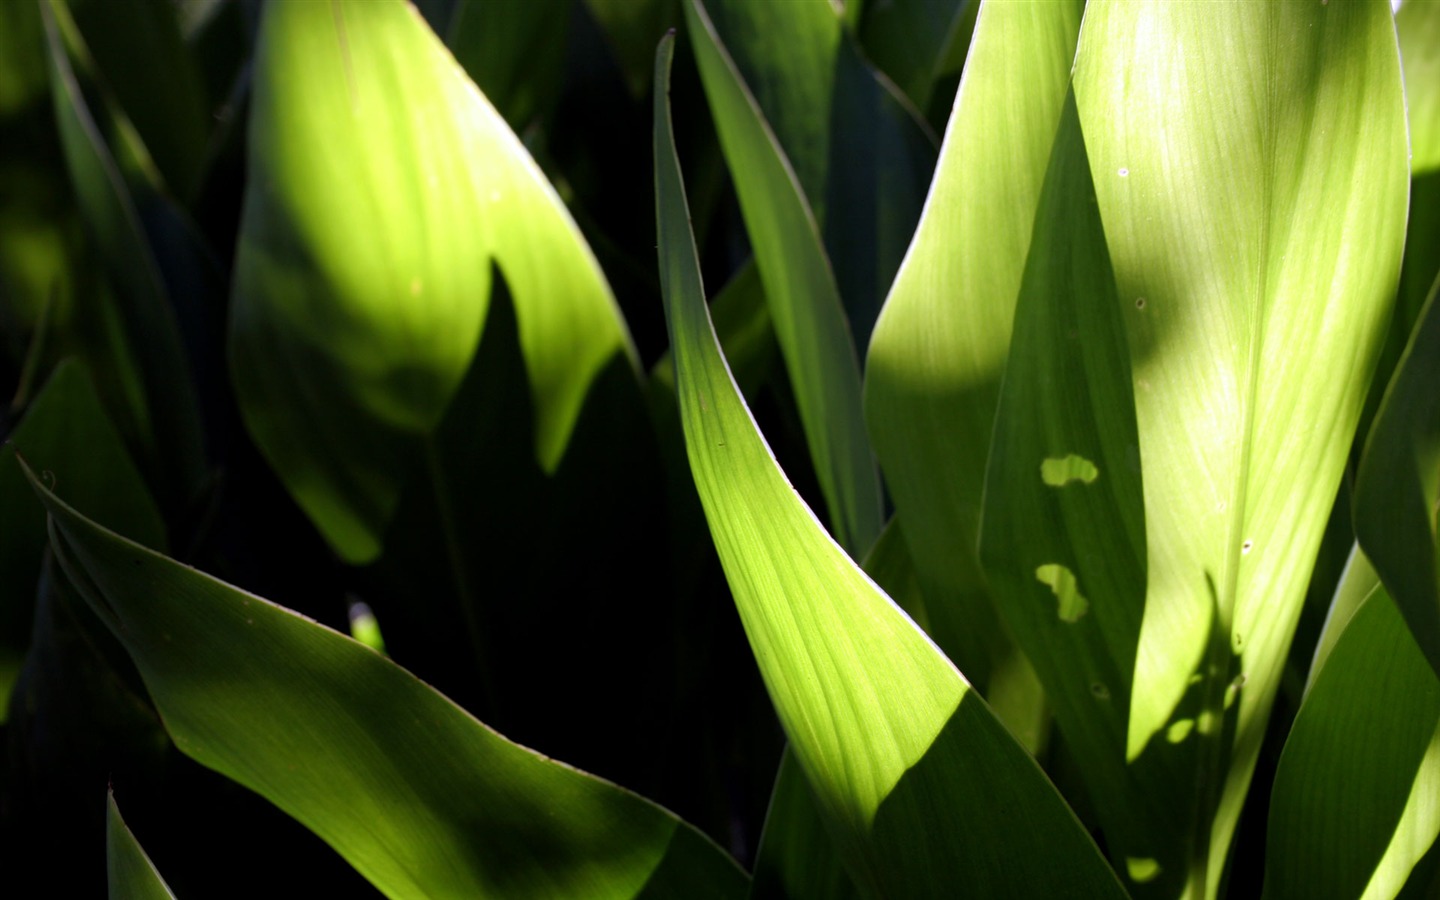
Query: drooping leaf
[(362, 272), (1354, 806), (1397, 492), (933, 373), (1249, 165), (421, 798), (921, 788), (800, 290), (132, 875)]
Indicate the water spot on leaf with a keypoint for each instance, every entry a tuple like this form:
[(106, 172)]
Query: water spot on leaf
[(1062, 583), (1124, 172), (1247, 547), (1141, 870), (1058, 472), (1100, 691), (1179, 731), (1139, 302)]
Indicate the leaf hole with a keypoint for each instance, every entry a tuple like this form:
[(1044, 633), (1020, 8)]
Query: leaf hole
[(1061, 581), (1060, 471)]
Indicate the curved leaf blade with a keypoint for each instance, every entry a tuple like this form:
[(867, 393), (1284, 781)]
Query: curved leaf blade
[(1249, 163), (1418, 25), (923, 790), (1353, 808), (1398, 487), (131, 874), (800, 290), (362, 274), (933, 374), (420, 797)]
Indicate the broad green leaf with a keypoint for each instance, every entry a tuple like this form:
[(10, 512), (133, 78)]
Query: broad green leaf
[(66, 433), (132, 875), (922, 789), (1418, 25), (162, 416), (861, 155), (933, 373), (800, 289), (1249, 161), (1063, 530), (515, 53), (1354, 805), (421, 798), (1397, 492), (362, 273)]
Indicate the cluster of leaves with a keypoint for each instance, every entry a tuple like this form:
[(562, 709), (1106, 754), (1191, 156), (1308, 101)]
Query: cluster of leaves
[(1126, 395)]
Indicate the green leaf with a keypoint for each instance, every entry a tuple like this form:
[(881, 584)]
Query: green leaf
[(421, 798), (515, 53), (132, 875), (1398, 487), (1063, 531), (1353, 808), (362, 274), (1418, 25), (908, 40), (143, 59), (861, 155), (797, 859), (933, 373), (65, 433), (1250, 166), (922, 789), (800, 289), (162, 420)]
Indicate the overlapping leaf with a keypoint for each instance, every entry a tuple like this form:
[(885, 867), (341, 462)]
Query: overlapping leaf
[(923, 791), (421, 798), (381, 185), (800, 289), (1250, 165), (935, 362), (1398, 488), (1354, 804)]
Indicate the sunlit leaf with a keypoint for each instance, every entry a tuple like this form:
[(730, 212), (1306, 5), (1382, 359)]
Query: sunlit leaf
[(933, 372), (800, 289), (421, 798), (362, 272), (1418, 24), (1249, 161), (922, 789)]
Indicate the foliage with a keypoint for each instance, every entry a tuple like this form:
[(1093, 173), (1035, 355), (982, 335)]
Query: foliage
[(380, 490)]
